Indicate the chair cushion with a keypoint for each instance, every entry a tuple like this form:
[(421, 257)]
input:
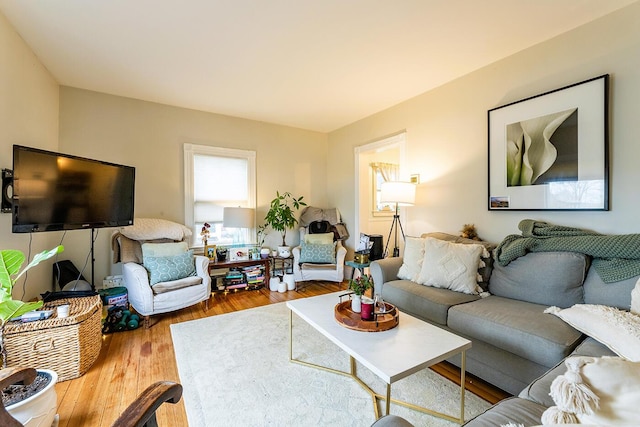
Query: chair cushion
[(512, 410), (168, 268), (321, 238), (519, 327), (550, 278), (317, 253), (616, 294), (164, 249), (162, 287)]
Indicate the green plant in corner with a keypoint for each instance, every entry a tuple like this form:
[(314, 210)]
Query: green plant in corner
[(281, 216), (10, 262)]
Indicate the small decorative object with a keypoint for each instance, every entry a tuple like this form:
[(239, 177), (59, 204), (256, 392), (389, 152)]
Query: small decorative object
[(274, 253), (204, 233), (282, 287), (469, 232), (62, 310), (361, 257), (359, 286), (280, 216), (284, 251), (378, 304), (290, 281), (274, 284), (210, 251), (264, 253), (221, 253), (366, 305)]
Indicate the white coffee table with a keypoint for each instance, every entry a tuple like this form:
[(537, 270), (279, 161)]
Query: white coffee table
[(391, 355)]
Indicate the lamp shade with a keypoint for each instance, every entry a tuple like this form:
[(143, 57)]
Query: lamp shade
[(238, 217), (400, 192)]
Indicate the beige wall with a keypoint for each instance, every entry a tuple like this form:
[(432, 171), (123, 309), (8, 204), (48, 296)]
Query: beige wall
[(28, 116), (150, 137), (447, 132)]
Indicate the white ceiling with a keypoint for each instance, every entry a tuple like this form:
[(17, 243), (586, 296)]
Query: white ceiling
[(313, 64)]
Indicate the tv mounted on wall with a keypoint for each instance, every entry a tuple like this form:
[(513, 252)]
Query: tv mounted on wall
[(55, 191)]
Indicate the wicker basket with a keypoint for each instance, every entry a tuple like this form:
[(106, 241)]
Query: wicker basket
[(67, 345)]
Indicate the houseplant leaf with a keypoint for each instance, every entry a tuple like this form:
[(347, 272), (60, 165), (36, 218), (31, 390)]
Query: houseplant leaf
[(10, 262), (15, 308)]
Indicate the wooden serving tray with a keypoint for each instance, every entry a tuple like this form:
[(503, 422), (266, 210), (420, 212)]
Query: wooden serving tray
[(382, 321)]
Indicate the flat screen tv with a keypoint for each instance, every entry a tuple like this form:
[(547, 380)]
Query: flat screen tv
[(54, 191)]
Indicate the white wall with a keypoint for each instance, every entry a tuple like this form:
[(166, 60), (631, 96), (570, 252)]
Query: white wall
[(447, 132), (150, 137), (28, 116)]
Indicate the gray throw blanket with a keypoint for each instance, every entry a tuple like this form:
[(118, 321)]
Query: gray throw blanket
[(615, 257)]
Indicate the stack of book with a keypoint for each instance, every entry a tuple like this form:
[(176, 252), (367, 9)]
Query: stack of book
[(235, 279), (255, 276)]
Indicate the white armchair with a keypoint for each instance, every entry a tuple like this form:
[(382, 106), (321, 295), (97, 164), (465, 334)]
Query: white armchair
[(304, 271), (166, 296)]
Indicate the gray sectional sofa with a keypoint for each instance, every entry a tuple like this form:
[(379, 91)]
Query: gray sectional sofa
[(516, 346)]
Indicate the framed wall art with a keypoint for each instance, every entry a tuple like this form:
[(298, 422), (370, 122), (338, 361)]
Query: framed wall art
[(550, 151)]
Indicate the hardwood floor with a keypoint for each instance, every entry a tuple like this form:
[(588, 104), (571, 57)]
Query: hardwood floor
[(130, 361)]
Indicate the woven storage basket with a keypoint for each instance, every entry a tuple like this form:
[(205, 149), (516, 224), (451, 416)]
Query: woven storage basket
[(67, 345)]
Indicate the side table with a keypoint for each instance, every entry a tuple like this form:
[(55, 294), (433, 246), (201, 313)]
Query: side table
[(286, 265), (357, 266)]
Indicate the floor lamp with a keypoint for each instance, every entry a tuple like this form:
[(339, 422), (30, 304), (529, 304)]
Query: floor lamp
[(402, 194)]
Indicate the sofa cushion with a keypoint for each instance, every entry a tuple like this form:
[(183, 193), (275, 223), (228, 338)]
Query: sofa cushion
[(450, 265), (485, 268), (512, 410), (617, 329), (550, 278), (615, 387), (516, 326), (431, 304), (616, 294), (412, 259), (538, 390)]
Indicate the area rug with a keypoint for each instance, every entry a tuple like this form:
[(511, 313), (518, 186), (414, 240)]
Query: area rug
[(235, 371)]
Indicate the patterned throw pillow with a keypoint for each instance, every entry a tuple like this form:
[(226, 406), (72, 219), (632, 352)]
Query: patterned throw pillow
[(167, 268), (318, 253), (451, 266)]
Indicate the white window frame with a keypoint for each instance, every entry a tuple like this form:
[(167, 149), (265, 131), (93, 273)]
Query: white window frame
[(190, 150)]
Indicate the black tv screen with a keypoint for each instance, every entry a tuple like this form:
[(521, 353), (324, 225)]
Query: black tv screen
[(54, 191)]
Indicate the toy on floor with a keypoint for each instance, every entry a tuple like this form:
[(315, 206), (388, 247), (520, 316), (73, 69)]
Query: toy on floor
[(120, 319)]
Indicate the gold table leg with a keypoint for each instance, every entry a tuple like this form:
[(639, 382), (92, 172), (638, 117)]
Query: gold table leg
[(376, 396)]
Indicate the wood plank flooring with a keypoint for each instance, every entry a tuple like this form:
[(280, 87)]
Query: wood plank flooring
[(130, 361)]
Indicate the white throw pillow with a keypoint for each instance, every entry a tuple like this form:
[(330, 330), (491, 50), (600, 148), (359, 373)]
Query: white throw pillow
[(450, 265), (602, 391), (617, 329), (635, 298), (412, 259)]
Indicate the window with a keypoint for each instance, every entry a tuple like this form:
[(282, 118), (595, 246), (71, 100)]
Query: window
[(382, 172), (216, 178)]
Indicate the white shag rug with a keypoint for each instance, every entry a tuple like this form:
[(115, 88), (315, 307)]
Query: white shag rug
[(235, 371)]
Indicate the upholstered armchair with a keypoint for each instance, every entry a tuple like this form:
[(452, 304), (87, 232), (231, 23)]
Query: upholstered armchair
[(318, 257), (160, 273)]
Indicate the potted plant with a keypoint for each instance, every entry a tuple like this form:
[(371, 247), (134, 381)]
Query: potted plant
[(37, 405), (281, 216), (359, 286)]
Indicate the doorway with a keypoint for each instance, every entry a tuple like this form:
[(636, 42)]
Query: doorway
[(374, 163)]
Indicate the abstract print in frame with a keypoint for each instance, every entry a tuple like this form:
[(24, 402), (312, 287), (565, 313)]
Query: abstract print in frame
[(550, 151)]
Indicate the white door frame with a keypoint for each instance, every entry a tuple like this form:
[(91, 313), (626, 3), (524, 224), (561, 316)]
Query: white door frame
[(399, 139)]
